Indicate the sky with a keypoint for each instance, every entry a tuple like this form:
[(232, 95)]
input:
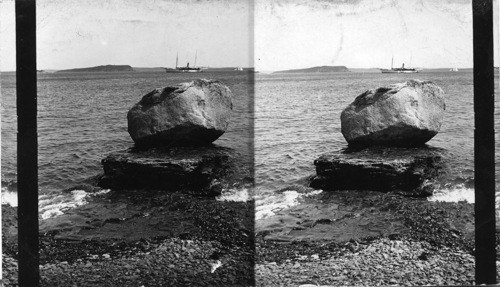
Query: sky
[(84, 33), (270, 34), (364, 33)]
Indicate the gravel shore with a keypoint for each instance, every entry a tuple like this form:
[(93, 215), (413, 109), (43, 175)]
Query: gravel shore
[(428, 243), (162, 239), (173, 262), (379, 263)]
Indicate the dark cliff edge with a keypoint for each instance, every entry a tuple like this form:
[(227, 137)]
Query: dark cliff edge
[(319, 69), (105, 68)]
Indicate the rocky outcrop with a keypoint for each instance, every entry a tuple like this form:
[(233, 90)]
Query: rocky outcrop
[(173, 169), (409, 170), (405, 114), (188, 114)]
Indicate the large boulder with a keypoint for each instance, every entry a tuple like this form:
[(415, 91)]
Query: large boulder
[(188, 114), (405, 114)]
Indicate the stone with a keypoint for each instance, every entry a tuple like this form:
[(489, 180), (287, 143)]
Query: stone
[(188, 114), (409, 170), (176, 168), (404, 114)]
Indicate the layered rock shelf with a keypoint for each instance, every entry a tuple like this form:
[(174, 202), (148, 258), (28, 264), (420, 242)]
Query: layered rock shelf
[(410, 170), (179, 168)]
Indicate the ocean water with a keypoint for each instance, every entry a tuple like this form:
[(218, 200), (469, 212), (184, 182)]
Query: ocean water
[(298, 119), (83, 116)]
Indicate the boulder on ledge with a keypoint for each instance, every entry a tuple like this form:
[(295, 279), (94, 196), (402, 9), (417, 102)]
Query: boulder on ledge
[(198, 169), (408, 170), (189, 114), (405, 114)]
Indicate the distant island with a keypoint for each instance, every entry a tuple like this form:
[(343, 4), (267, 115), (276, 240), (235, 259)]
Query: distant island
[(105, 68), (319, 69)]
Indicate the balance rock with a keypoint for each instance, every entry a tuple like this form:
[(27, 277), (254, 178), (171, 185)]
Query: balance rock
[(189, 114), (405, 114)]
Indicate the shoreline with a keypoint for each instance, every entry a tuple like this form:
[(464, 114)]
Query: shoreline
[(345, 237), (141, 237), (383, 232), (385, 239)]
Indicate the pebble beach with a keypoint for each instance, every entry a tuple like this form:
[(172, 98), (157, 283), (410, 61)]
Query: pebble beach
[(433, 246), (182, 241)]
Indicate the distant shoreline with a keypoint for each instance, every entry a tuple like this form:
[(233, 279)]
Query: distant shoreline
[(317, 69), (105, 68), (230, 69)]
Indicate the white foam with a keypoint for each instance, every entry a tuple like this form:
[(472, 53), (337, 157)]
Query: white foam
[(77, 198), (9, 197), (454, 194), (268, 205), (240, 195), (461, 193), (61, 203), (53, 205)]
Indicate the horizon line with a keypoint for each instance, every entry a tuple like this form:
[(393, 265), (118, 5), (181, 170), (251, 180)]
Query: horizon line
[(274, 70)]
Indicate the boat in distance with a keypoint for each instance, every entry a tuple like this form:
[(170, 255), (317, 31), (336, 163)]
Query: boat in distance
[(185, 69), (398, 70)]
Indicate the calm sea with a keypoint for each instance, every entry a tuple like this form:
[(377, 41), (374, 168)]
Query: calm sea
[(83, 116), (298, 119)]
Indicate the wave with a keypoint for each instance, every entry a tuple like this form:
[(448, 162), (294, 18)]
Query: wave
[(53, 205), (49, 207), (9, 197), (235, 194), (268, 204), (460, 192), (457, 193)]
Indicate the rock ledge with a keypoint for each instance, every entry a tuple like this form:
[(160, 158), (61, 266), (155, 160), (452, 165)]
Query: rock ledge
[(410, 170), (179, 168)]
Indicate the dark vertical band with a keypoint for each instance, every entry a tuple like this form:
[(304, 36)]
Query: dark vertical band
[(484, 142), (27, 146), (251, 105)]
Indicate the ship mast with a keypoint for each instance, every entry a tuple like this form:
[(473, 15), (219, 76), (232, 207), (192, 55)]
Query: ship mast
[(392, 61), (177, 60), (195, 57)]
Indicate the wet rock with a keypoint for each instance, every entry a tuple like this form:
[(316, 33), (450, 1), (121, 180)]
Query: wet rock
[(410, 170), (405, 114), (194, 113), (176, 168), (338, 217), (9, 221)]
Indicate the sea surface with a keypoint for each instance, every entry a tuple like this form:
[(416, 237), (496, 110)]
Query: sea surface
[(298, 119), (83, 116)]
